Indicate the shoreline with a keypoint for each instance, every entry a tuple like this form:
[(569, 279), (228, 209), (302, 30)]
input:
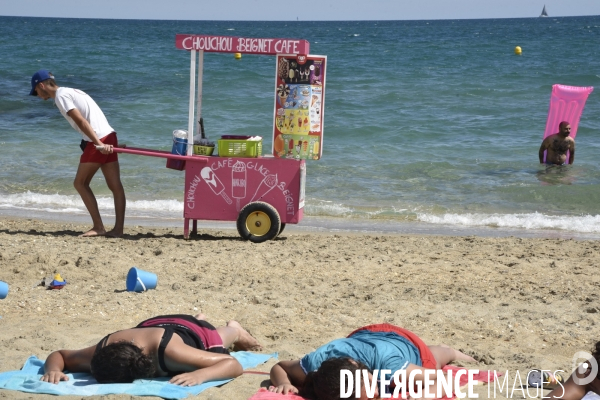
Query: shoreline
[(511, 303), (310, 224)]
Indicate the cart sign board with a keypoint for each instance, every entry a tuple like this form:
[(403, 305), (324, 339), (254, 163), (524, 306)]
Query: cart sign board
[(219, 189), (230, 44), (299, 106)]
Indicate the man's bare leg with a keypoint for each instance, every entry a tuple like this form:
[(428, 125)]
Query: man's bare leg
[(445, 355), (85, 173), (112, 175), (234, 334)]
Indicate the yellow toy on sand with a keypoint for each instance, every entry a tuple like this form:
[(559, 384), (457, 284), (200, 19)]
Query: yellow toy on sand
[(58, 282)]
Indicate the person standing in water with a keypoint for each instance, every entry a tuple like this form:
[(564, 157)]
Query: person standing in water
[(557, 146), (99, 138)]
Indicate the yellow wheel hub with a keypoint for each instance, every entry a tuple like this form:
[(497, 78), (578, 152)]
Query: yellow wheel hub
[(258, 223)]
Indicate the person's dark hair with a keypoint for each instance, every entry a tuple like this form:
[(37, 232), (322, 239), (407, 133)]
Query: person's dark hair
[(121, 362), (50, 82), (596, 352), (563, 124), (324, 383)]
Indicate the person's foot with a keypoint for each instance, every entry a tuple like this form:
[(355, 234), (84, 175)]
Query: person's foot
[(200, 317), (114, 234), (245, 341), (458, 355), (93, 232)]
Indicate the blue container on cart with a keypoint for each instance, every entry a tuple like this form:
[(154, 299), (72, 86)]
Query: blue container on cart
[(179, 148)]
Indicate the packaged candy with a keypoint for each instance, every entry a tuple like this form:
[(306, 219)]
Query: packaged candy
[(537, 378)]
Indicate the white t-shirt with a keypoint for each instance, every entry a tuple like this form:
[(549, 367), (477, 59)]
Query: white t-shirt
[(67, 99)]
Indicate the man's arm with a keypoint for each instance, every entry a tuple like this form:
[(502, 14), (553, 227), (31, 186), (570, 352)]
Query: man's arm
[(287, 376), (572, 152), (201, 365), (87, 129), (228, 368), (543, 148), (569, 390), (71, 360)]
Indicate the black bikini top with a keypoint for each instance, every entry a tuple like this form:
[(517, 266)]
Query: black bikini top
[(164, 341)]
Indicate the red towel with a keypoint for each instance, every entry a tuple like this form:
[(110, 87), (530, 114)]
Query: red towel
[(264, 394)]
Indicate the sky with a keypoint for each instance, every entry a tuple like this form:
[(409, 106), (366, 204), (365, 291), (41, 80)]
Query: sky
[(286, 10)]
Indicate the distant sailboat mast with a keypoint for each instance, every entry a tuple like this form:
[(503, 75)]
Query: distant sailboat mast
[(544, 13)]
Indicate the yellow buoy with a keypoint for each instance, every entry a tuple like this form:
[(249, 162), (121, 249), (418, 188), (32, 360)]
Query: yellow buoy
[(238, 56), (518, 50)]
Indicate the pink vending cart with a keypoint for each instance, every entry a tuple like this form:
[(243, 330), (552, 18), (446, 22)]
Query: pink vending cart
[(261, 193)]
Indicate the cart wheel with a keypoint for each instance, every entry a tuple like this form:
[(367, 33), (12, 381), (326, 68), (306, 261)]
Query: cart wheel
[(282, 228), (258, 222)]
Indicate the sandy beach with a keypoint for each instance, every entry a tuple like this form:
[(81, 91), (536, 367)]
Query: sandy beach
[(512, 303)]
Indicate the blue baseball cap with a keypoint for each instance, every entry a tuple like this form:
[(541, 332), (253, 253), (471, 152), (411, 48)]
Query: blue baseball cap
[(40, 76)]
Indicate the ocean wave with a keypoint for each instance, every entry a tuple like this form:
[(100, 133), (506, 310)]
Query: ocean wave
[(327, 208), (73, 204), (582, 223), (324, 208)]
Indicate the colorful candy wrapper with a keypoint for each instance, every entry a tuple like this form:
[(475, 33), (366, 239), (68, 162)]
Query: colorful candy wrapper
[(57, 283), (538, 378)]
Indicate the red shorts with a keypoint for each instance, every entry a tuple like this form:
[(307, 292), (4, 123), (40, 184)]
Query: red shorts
[(207, 333), (427, 358), (93, 155)]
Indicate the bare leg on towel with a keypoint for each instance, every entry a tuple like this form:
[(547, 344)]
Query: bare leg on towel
[(234, 334), (445, 355)]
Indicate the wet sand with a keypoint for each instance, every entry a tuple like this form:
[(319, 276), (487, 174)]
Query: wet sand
[(512, 303)]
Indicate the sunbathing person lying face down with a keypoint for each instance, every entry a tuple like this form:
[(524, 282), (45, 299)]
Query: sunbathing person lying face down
[(381, 346), (579, 383), (187, 348)]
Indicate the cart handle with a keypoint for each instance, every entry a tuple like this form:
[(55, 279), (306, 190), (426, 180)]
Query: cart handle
[(158, 153)]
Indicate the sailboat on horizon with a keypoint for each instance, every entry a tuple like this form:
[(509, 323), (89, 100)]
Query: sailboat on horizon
[(544, 13)]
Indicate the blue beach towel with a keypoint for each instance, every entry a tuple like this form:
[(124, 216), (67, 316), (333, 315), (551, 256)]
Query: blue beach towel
[(83, 384)]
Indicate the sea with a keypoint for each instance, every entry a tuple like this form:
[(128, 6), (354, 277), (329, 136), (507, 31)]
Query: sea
[(430, 127)]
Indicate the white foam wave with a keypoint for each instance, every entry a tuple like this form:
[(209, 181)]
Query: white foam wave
[(383, 212), (73, 203), (332, 209), (328, 208), (160, 205), (45, 209), (582, 223)]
